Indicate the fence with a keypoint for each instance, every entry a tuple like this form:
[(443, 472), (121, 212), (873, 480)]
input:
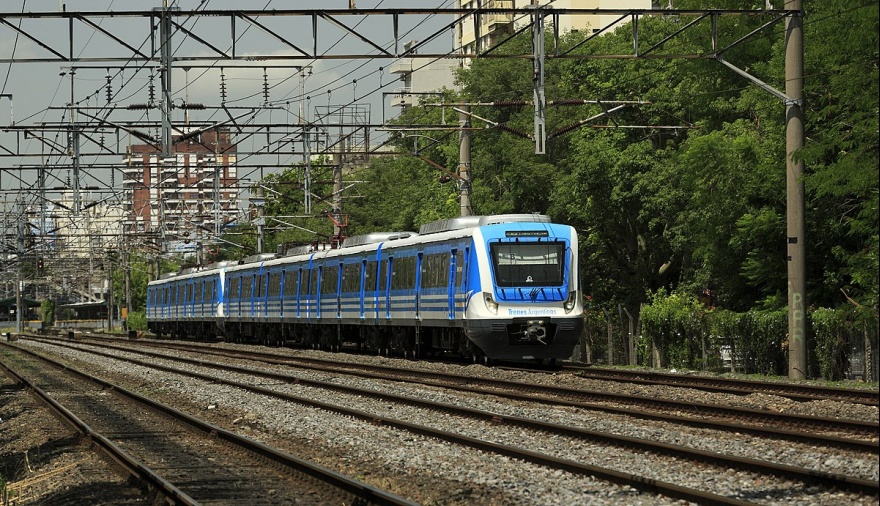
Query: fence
[(841, 344)]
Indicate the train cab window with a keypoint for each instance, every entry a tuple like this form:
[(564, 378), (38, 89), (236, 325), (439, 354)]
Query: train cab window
[(528, 264)]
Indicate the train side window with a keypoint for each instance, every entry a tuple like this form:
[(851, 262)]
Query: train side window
[(247, 287), (274, 284), (383, 274), (463, 280), (403, 273), (313, 281), (329, 279), (370, 276), (290, 284), (259, 284), (351, 278), (411, 273), (435, 270)]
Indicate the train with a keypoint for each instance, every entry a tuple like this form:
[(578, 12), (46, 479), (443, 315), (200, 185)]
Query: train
[(488, 288)]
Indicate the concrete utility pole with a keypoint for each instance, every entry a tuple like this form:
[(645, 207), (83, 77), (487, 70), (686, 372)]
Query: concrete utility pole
[(464, 159), (19, 282), (795, 208), (337, 189), (538, 80)]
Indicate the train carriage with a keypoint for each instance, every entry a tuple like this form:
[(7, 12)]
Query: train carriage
[(488, 287)]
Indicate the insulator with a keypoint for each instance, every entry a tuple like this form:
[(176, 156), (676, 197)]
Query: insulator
[(265, 87), (564, 130), (138, 107), (222, 87), (151, 90), (193, 106), (566, 102), (109, 89), (512, 130)]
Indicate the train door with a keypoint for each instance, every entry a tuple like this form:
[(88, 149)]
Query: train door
[(264, 302), (299, 295), (418, 284), (363, 282), (191, 298), (450, 284), (388, 276), (339, 273), (312, 307), (317, 289)]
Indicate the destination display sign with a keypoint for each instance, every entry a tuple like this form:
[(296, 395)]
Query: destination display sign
[(526, 233)]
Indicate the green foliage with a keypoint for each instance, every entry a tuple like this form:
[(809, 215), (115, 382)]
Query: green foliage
[(755, 339), (659, 211), (830, 328), (138, 268), (137, 320), (676, 325), (47, 312)]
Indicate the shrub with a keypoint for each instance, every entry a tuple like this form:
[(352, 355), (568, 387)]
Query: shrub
[(137, 320)]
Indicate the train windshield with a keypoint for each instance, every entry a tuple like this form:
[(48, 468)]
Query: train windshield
[(528, 264)]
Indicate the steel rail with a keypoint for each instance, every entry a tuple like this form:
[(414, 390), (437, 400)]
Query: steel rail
[(332, 478), (549, 394), (134, 468), (795, 391), (830, 480)]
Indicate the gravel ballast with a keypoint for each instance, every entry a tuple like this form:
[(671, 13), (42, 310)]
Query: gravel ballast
[(434, 472)]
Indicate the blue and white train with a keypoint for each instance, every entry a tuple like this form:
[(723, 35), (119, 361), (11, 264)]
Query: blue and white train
[(499, 287)]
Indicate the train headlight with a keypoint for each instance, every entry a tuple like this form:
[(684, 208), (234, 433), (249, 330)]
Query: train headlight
[(570, 302), (490, 302)]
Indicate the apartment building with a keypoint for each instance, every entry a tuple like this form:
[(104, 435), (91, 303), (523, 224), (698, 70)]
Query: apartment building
[(184, 197)]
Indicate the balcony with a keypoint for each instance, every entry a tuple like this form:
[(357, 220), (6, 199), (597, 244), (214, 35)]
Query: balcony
[(402, 66), (495, 20)]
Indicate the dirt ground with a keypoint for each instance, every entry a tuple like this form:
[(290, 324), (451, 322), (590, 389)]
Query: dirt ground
[(44, 462)]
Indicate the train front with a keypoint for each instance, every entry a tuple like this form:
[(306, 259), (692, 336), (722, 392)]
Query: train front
[(528, 304)]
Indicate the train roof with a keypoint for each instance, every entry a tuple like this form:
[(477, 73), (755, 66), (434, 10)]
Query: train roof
[(464, 222), (437, 230)]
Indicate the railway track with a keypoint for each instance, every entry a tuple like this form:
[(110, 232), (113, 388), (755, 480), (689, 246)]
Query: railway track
[(795, 391), (851, 434), (736, 386), (812, 477), (180, 457)]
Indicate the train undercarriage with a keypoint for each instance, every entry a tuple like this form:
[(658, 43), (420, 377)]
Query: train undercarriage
[(410, 342)]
